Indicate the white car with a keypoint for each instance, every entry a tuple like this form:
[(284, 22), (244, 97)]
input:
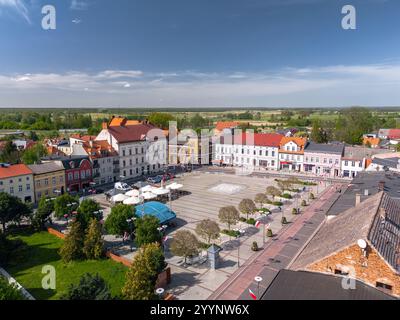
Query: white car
[(121, 186)]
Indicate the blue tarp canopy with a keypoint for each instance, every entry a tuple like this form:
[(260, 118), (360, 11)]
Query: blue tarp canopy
[(156, 209)]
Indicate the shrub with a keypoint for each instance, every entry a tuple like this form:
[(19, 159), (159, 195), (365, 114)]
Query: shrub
[(242, 219), (312, 196), (270, 233), (231, 233), (284, 221), (278, 203), (90, 287), (304, 203), (254, 246), (265, 211), (251, 221), (287, 196), (294, 211)]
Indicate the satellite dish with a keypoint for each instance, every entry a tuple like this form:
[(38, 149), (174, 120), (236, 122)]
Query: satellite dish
[(362, 244)]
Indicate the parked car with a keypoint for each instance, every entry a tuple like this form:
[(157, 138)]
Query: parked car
[(155, 180), (122, 186)]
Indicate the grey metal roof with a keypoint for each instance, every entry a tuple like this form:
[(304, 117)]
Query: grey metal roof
[(387, 162), (385, 233), (366, 181), (303, 285), (325, 148)]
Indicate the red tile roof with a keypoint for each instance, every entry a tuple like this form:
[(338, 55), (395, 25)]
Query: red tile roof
[(99, 149), (83, 138), (260, 139), (14, 171), (125, 134), (394, 134), (227, 125)]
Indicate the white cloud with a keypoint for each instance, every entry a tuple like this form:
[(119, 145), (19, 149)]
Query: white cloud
[(311, 86), (18, 6), (76, 21), (79, 5)]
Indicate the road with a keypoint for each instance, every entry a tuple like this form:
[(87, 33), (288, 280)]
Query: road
[(278, 254)]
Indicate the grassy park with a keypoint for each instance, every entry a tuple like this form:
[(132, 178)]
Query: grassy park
[(42, 249)]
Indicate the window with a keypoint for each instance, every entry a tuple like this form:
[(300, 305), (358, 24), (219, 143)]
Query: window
[(28, 187), (53, 180), (46, 182), (346, 163), (384, 286), (123, 153), (273, 163), (11, 190), (70, 176), (76, 175), (353, 164), (83, 175), (124, 163), (130, 162), (130, 152), (273, 153), (19, 188)]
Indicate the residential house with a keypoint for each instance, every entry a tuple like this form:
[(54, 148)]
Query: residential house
[(17, 180), (355, 160), (371, 140), (291, 153), (323, 159), (49, 180), (259, 150), (362, 242), (142, 148), (226, 126), (78, 172), (104, 158)]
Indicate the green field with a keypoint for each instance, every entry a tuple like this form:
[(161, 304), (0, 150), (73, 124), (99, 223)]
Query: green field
[(42, 249)]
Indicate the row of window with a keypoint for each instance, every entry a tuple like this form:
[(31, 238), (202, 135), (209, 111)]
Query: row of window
[(20, 189), (353, 163), (265, 153), (123, 162), (45, 182), (46, 193), (141, 171), (290, 157), (324, 160), (12, 180), (126, 152), (83, 174)]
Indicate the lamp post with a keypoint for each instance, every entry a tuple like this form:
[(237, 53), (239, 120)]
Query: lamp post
[(241, 233), (258, 280)]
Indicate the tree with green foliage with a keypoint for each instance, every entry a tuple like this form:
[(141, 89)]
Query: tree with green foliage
[(184, 244), (9, 291), (318, 135), (147, 230), (65, 205), (247, 207), (93, 244), (229, 215), (10, 153), (12, 209), (261, 199), (142, 276), (117, 222), (34, 154), (43, 213), (208, 230), (161, 120), (90, 287), (88, 210), (72, 248)]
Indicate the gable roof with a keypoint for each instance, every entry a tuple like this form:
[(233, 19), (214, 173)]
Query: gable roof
[(304, 285), (394, 134), (14, 171), (260, 139), (126, 134), (45, 168), (117, 121), (226, 125), (359, 153), (361, 222), (336, 148)]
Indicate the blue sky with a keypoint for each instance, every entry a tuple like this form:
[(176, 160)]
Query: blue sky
[(199, 53)]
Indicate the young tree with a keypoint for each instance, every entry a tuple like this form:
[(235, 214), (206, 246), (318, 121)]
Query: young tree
[(116, 223), (229, 215), (260, 198), (93, 244), (147, 230), (43, 213), (274, 192), (34, 154), (184, 244), (208, 230), (142, 276), (90, 287), (247, 206), (88, 210), (8, 291), (63, 205), (73, 244)]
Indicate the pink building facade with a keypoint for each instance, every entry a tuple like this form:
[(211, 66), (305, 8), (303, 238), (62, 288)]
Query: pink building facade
[(323, 159)]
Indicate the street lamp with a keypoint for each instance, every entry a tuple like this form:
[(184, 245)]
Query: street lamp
[(258, 280), (241, 233)]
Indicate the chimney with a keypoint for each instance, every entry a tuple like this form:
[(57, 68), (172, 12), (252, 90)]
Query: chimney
[(358, 199), (381, 186)]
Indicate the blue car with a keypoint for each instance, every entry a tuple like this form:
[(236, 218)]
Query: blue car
[(155, 180)]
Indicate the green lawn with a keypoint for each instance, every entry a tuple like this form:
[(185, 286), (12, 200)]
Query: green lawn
[(42, 249)]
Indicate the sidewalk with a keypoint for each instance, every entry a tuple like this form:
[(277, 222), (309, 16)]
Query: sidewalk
[(278, 254)]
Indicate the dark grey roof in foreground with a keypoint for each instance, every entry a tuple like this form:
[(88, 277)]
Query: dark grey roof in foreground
[(303, 285), (332, 148), (366, 181)]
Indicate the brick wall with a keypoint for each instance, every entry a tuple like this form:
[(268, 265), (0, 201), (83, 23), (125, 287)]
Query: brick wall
[(369, 269)]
